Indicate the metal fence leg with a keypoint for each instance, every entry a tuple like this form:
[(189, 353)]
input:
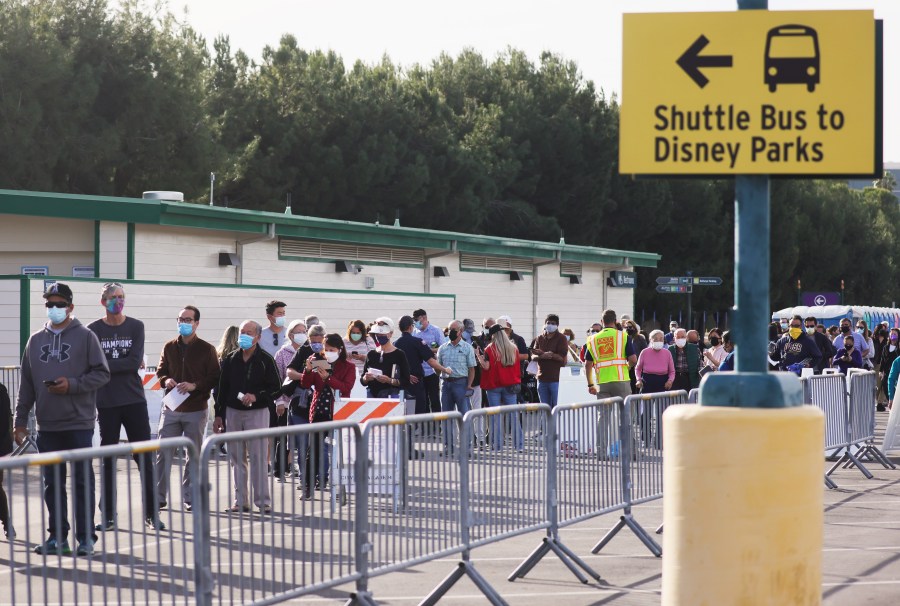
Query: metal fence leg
[(829, 483), (628, 520), (660, 528), (850, 457), (877, 456), (361, 598), (464, 568)]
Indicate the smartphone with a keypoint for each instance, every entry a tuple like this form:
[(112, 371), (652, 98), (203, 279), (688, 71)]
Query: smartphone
[(49, 383), (316, 364)]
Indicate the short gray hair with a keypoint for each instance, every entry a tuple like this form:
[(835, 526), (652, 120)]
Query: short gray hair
[(316, 330), (110, 287), (254, 323), (655, 333)]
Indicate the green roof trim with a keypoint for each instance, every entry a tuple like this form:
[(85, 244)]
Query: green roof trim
[(197, 216)]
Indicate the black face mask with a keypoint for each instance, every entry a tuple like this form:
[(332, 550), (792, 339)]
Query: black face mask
[(453, 334), (632, 331), (845, 329), (714, 341)]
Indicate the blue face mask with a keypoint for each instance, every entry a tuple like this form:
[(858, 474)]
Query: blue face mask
[(245, 341), (56, 315), (551, 327), (861, 331), (185, 329), (418, 324), (317, 347)]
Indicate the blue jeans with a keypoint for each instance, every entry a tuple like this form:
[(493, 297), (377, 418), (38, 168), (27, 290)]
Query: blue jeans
[(500, 397), (548, 392), (55, 485), (453, 397), (300, 442)]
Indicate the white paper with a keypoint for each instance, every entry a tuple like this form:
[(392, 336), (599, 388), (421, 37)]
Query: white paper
[(287, 381), (375, 372), (174, 398)]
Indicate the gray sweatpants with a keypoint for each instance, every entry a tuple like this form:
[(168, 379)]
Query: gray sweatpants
[(246, 420)]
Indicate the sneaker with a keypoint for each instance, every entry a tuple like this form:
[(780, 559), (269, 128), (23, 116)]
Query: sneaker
[(188, 507), (53, 547), (163, 505), (85, 548), (155, 523), (107, 525)]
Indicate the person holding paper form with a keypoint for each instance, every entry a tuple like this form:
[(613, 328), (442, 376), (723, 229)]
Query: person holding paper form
[(188, 370), (121, 402)]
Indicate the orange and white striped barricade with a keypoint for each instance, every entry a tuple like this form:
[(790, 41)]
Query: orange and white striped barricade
[(385, 467)]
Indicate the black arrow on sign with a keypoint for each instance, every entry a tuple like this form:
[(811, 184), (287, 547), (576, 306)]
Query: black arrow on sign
[(691, 61)]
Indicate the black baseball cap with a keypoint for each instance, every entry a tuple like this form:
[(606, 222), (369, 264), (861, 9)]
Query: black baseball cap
[(58, 289)]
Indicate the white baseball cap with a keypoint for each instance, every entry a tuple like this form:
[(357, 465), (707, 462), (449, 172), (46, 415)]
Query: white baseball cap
[(506, 319)]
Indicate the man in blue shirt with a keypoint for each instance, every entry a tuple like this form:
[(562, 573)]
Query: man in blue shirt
[(432, 337), (859, 341), (458, 357)]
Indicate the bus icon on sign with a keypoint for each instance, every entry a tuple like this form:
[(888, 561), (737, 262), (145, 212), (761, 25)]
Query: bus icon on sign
[(792, 56)]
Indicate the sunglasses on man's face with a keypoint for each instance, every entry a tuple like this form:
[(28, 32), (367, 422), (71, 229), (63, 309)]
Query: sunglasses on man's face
[(57, 304)]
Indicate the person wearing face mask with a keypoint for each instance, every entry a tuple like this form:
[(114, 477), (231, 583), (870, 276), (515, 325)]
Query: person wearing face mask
[(574, 349), (796, 350), (188, 365), (594, 329), (774, 335), (655, 369), (358, 344), (389, 363), (608, 357), (295, 338), (121, 402), (727, 364), (893, 371), (869, 356), (338, 377), (687, 359), (433, 337), (847, 356), (822, 342), (457, 356), (247, 390), (670, 336), (63, 366), (713, 356), (859, 342), (889, 354), (273, 335), (638, 343), (417, 354), (549, 349)]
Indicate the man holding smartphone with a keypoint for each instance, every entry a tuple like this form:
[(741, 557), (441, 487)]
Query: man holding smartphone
[(62, 368)]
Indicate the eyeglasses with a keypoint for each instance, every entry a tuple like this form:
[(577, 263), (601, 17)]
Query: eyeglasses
[(184, 320), (57, 304)]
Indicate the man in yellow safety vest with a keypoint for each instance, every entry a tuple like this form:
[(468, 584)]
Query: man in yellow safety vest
[(608, 356)]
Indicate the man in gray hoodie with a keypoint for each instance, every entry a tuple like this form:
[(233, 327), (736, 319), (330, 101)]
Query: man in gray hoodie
[(62, 369)]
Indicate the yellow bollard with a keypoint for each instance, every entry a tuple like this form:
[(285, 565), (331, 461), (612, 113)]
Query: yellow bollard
[(743, 507)]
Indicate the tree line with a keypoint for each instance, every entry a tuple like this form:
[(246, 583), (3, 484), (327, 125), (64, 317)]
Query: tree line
[(117, 99)]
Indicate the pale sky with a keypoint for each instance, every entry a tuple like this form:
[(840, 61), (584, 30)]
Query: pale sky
[(588, 32)]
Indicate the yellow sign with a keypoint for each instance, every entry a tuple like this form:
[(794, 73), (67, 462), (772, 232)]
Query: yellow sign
[(748, 92)]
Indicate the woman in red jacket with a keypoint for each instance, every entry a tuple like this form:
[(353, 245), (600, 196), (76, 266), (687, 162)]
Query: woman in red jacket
[(327, 372), (501, 379)]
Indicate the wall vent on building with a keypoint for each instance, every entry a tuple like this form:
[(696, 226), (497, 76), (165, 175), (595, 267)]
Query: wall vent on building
[(569, 268), (328, 251), (467, 261)]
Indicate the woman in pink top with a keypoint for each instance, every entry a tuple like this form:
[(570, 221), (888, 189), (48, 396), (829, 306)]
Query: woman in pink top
[(655, 369)]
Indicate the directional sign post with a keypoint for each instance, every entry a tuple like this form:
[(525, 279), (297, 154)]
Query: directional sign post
[(749, 94), (684, 285)]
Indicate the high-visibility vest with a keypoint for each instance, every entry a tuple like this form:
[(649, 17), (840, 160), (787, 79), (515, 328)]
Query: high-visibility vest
[(607, 349)]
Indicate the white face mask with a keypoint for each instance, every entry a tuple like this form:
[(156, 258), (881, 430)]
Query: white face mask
[(279, 321), (892, 347), (657, 345), (299, 338), (680, 342), (331, 356)]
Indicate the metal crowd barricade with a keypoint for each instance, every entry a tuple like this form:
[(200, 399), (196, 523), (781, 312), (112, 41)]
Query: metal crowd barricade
[(861, 402), (303, 539), (585, 478), (411, 495), (828, 393), (694, 396), (133, 562), (503, 484), (10, 376)]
